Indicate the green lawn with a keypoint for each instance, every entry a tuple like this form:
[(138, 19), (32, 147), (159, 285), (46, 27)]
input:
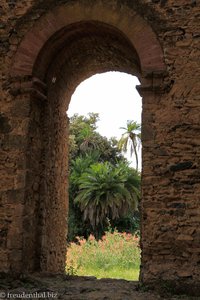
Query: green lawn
[(118, 273)]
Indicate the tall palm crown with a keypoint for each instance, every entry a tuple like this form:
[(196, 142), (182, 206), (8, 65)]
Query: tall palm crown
[(131, 137), (107, 191)]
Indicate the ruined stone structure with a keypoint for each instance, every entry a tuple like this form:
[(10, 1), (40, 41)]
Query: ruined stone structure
[(47, 48)]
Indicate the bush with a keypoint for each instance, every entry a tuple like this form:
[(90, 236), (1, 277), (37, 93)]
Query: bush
[(115, 252)]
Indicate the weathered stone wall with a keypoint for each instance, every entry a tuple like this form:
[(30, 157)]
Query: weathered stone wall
[(170, 207), (33, 125)]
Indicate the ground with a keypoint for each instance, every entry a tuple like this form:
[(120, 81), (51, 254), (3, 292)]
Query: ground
[(78, 288)]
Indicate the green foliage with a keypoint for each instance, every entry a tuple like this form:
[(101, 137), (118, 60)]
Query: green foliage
[(107, 191), (101, 182), (130, 223), (132, 137), (115, 255), (70, 271), (83, 138)]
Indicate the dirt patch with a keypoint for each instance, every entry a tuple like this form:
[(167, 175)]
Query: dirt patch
[(77, 288)]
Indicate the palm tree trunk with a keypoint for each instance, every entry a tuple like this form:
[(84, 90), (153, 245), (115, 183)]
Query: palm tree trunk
[(136, 155), (134, 143)]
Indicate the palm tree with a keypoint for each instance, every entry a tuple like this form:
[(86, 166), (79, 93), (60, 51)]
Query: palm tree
[(132, 137), (87, 138), (107, 191)]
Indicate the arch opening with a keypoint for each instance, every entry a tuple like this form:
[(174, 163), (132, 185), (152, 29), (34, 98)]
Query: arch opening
[(111, 95), (92, 49)]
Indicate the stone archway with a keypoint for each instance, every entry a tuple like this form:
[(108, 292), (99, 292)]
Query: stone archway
[(52, 55), (67, 45)]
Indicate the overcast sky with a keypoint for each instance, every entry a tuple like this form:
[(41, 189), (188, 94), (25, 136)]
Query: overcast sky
[(113, 96)]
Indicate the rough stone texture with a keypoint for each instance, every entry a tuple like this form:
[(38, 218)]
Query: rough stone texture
[(47, 48)]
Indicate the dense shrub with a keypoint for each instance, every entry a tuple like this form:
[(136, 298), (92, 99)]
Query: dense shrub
[(114, 254)]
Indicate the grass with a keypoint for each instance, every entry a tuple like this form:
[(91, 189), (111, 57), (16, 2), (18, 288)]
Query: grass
[(111, 273), (116, 255)]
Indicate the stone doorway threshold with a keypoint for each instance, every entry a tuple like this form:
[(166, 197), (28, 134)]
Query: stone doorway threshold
[(76, 288)]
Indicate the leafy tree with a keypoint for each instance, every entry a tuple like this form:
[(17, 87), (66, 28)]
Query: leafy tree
[(107, 191), (79, 166), (84, 138), (94, 157), (129, 223), (82, 134), (132, 137), (78, 227)]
